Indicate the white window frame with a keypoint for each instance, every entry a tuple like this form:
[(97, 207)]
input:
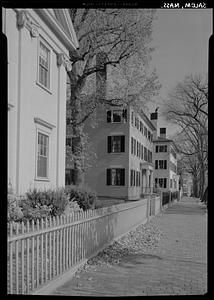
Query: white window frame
[(45, 128), (43, 41), (48, 155)]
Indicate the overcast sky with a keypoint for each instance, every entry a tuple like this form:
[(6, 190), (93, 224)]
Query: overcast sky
[(181, 38)]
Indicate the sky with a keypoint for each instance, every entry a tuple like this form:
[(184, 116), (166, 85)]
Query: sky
[(181, 40)]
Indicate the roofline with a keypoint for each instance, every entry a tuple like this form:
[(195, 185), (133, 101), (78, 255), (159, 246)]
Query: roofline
[(147, 119), (49, 19), (144, 117)]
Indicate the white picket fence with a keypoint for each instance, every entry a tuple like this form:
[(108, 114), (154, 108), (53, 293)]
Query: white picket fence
[(40, 251)]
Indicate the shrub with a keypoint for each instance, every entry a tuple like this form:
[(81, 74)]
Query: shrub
[(85, 198), (14, 211)]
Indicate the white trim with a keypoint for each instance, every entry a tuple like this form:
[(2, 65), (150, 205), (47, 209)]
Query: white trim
[(47, 45), (71, 26), (44, 123), (37, 178), (50, 20)]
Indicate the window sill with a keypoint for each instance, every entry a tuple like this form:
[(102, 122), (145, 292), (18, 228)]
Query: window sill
[(116, 186), (117, 122), (43, 87), (42, 179), (116, 152)]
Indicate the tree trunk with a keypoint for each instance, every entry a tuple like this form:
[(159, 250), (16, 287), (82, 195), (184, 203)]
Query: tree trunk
[(75, 105)]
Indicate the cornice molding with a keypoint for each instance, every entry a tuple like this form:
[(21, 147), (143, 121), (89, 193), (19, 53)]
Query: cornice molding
[(62, 59), (24, 20), (44, 123), (50, 20)]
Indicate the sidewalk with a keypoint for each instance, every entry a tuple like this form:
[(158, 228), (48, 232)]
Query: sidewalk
[(178, 266)]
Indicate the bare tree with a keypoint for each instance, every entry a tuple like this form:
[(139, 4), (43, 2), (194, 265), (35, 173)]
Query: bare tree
[(124, 36), (187, 106)]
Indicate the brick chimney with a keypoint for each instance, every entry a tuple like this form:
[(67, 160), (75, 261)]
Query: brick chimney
[(154, 120), (101, 76), (163, 132)]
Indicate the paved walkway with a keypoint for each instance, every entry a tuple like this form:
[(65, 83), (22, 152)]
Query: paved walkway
[(177, 267)]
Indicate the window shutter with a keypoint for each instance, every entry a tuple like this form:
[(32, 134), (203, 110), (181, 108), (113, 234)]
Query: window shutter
[(132, 145), (123, 143), (125, 115), (108, 116), (165, 164), (109, 144), (156, 149), (142, 152), (108, 176), (122, 176), (164, 182), (156, 164)]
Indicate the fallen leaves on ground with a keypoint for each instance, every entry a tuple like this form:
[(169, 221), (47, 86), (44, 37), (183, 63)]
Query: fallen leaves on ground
[(145, 237)]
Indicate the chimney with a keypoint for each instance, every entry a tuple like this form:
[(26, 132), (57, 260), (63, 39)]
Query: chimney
[(101, 76), (154, 120), (163, 133)]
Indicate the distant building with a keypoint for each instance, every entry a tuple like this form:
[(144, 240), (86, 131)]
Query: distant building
[(123, 142), (165, 160), (38, 44), (187, 184)]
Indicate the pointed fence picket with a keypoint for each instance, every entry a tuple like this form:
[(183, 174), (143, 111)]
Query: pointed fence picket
[(42, 250)]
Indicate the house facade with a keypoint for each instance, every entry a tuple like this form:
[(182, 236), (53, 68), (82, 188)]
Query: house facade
[(165, 161), (123, 143), (38, 44)]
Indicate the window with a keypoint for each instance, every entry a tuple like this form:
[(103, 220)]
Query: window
[(116, 144), (131, 178), (145, 154), (134, 147), (42, 155), (141, 127), (149, 135), (162, 164), (149, 156), (44, 65), (156, 182), (145, 131), (138, 180), (162, 182), (117, 116), (137, 148), (161, 148), (141, 151), (156, 164), (115, 176)]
